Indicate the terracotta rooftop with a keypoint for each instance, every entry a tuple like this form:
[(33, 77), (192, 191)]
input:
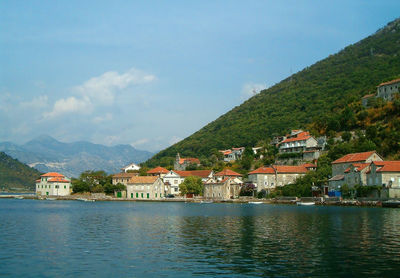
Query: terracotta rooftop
[(389, 82), (190, 160), (263, 170), (354, 157), (310, 165), (228, 172), (290, 169), (158, 170), (299, 137), (368, 96), (57, 179), (389, 166), (125, 175), (196, 173), (142, 179), (337, 178), (52, 174), (358, 166)]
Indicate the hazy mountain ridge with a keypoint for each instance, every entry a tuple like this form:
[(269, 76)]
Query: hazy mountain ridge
[(47, 154)]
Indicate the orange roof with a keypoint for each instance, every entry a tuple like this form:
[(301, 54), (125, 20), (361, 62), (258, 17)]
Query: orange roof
[(358, 166), (228, 172), (57, 179), (190, 160), (39, 180), (226, 152), (299, 137), (125, 175), (368, 96), (389, 166), (263, 170), (354, 157), (158, 170), (52, 174), (142, 179), (290, 169), (389, 82), (197, 173), (310, 165)]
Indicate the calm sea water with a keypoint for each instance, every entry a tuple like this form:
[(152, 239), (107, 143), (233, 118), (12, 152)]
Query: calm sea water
[(133, 239)]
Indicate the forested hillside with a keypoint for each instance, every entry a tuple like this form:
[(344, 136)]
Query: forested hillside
[(16, 175), (324, 97)]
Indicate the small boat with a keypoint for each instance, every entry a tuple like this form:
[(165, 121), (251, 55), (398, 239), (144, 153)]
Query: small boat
[(305, 203), (206, 202), (19, 197), (51, 199), (391, 204), (255, 203), (85, 200)]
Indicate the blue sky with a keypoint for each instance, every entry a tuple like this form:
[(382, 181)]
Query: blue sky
[(151, 73)]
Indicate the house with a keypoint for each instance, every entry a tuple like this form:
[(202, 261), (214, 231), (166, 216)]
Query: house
[(53, 184), (356, 174), (131, 167), (227, 173), (384, 173), (225, 189), (181, 164), (365, 100), (387, 90), (233, 154), (145, 188), (298, 141), (270, 177), (158, 171), (174, 178), (340, 165), (123, 177)]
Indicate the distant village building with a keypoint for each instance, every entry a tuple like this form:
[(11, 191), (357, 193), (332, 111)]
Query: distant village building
[(181, 164), (387, 90), (233, 154), (158, 171), (228, 188), (298, 141), (341, 166), (131, 167), (145, 188), (227, 173), (384, 173), (270, 177), (53, 184), (123, 178), (174, 178)]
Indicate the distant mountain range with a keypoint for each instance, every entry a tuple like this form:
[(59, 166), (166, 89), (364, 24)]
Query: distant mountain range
[(46, 154)]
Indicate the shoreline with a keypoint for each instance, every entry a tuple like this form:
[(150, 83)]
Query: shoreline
[(292, 201)]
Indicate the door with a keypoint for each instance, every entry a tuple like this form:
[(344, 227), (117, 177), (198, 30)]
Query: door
[(119, 194)]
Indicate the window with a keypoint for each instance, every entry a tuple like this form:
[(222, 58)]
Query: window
[(148, 195), (142, 195), (156, 195), (137, 195), (131, 195), (176, 189), (175, 181), (65, 187)]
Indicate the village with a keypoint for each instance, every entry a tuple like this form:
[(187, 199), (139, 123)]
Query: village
[(299, 152)]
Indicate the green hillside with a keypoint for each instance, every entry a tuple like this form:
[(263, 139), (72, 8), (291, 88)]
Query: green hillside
[(16, 175), (322, 91)]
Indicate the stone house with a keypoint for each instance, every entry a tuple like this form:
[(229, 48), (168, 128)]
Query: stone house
[(340, 165), (387, 90), (268, 178), (158, 171), (233, 154), (145, 188), (53, 184), (225, 189), (356, 174), (227, 173), (384, 173), (181, 164), (174, 178), (123, 178), (131, 167)]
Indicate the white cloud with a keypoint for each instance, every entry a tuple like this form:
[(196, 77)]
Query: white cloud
[(100, 90), (251, 89), (139, 142), (103, 118), (36, 103)]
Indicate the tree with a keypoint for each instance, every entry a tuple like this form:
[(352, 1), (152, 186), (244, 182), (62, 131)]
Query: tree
[(80, 186), (191, 185)]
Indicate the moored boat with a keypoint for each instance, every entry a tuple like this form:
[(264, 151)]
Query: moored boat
[(305, 203), (255, 203)]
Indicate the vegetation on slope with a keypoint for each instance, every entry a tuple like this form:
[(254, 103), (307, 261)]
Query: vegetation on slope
[(322, 93), (16, 175)]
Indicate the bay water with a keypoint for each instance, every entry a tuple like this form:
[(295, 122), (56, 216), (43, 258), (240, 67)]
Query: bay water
[(160, 239)]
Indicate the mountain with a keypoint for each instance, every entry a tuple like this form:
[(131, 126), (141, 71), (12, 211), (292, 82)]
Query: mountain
[(47, 154), (316, 92), (16, 175)]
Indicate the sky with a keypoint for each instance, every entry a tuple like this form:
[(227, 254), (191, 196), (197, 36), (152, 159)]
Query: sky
[(150, 73)]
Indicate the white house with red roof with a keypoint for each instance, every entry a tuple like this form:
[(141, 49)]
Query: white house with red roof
[(386, 90), (270, 177), (174, 178), (233, 154), (298, 141), (158, 171), (384, 173), (131, 167), (53, 184), (228, 173)]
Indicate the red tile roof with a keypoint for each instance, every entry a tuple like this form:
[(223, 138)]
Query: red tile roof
[(39, 180), (299, 137), (125, 175), (354, 157), (228, 172), (57, 179), (290, 169), (263, 170), (52, 174), (310, 165), (190, 160), (389, 166), (143, 179), (389, 82), (358, 166), (226, 152), (197, 173), (368, 96), (158, 170)]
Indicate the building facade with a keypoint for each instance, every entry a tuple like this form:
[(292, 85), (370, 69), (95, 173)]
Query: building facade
[(145, 188), (53, 184), (181, 164), (174, 178), (158, 171), (225, 189), (384, 173), (387, 90), (123, 178)]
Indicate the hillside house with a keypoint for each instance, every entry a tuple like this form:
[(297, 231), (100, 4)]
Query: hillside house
[(365, 100), (158, 171), (181, 164), (298, 141), (123, 177), (340, 165), (225, 189), (131, 167), (270, 177), (53, 184), (386, 90), (174, 178), (233, 154), (145, 188)]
